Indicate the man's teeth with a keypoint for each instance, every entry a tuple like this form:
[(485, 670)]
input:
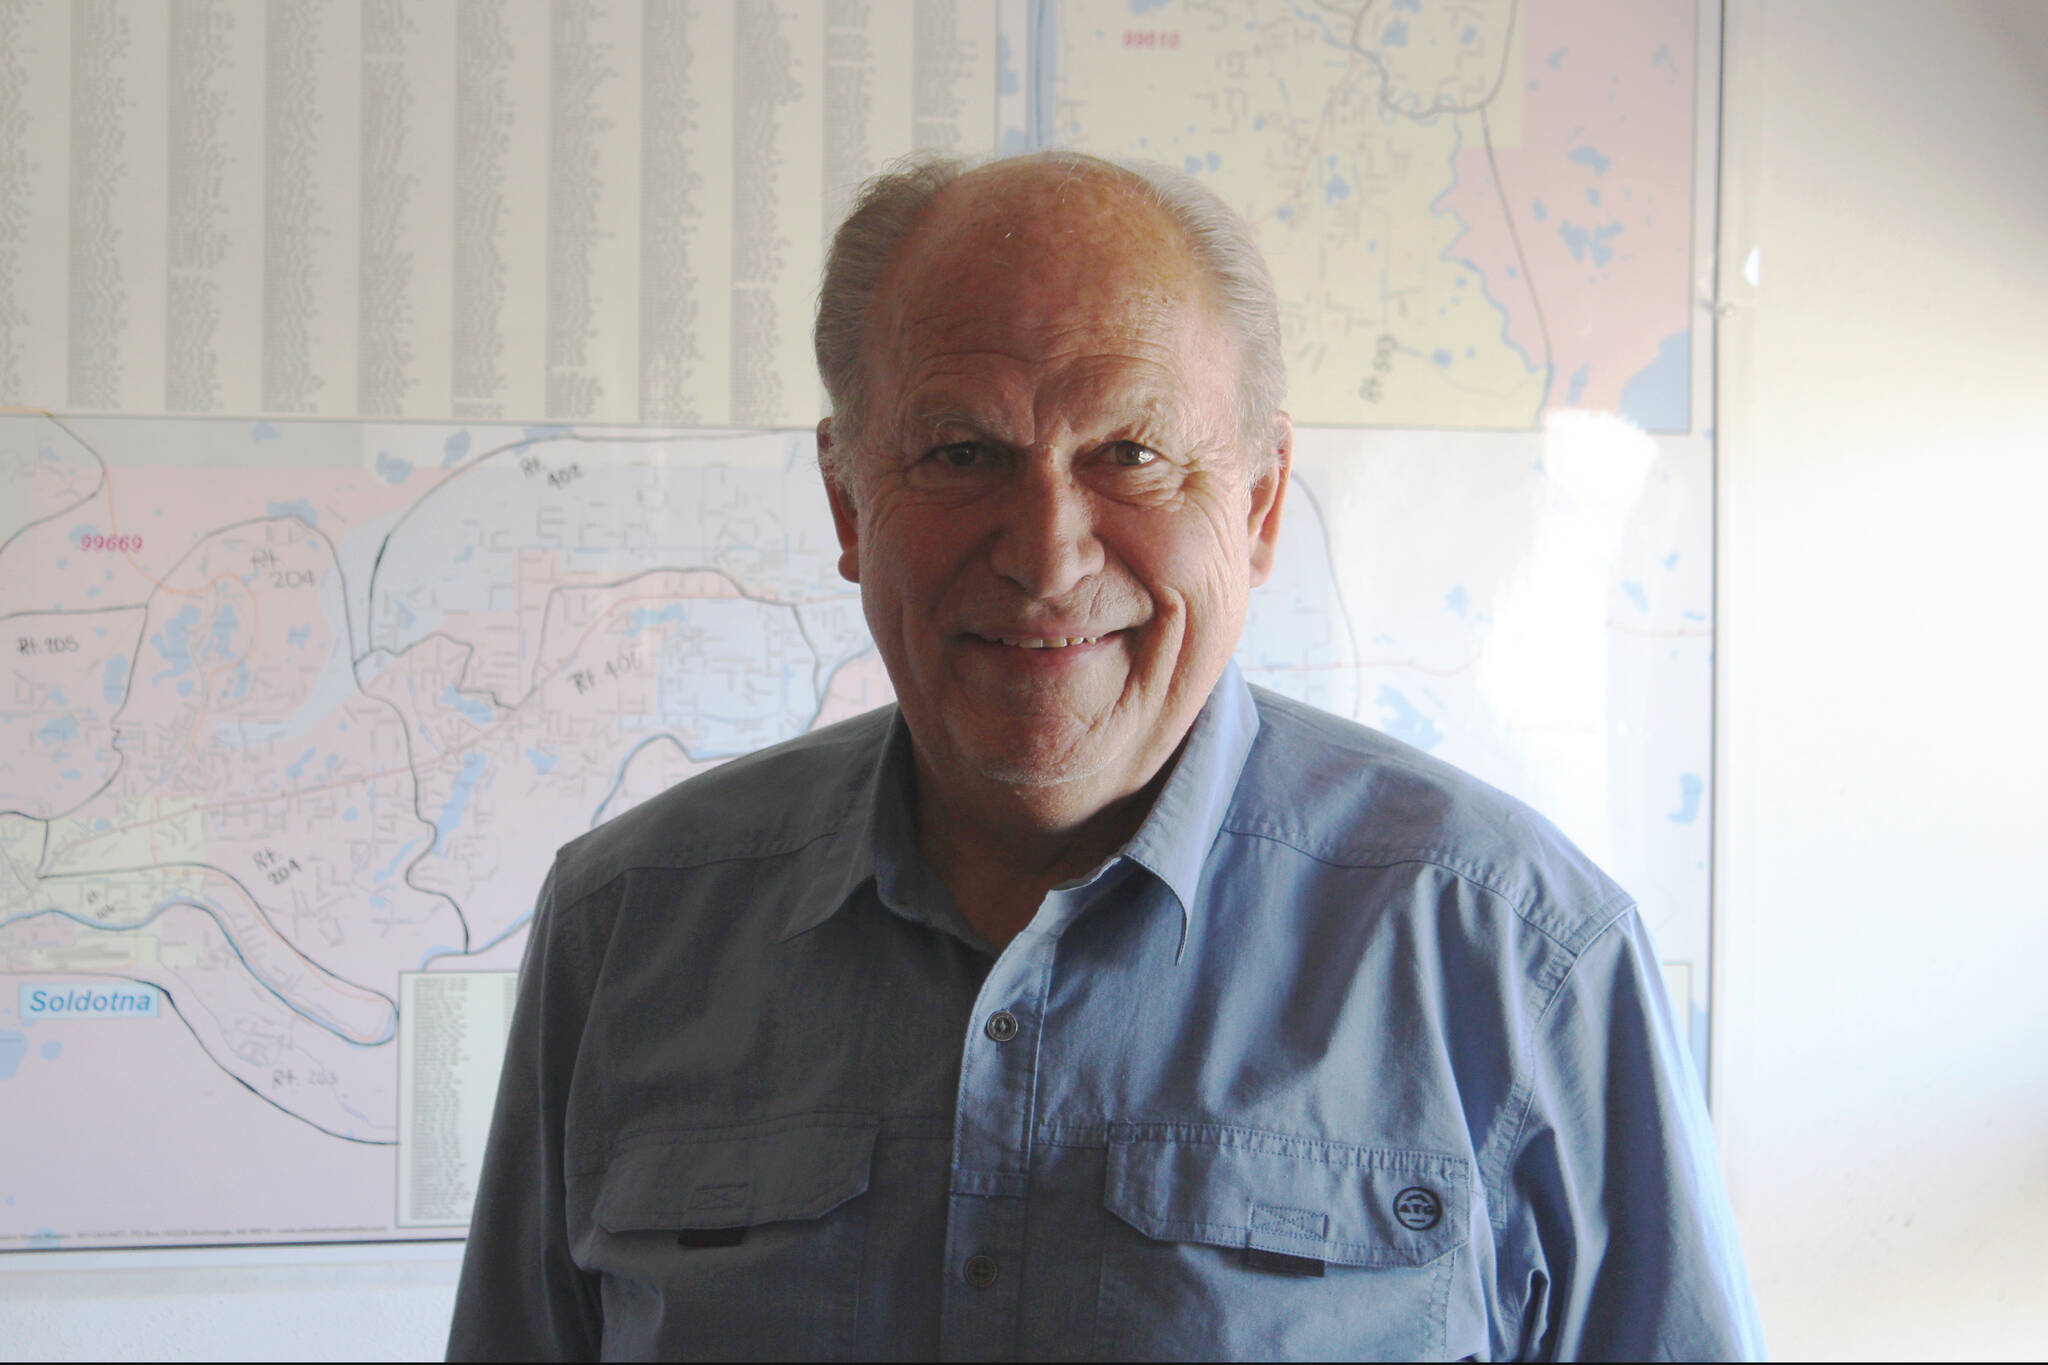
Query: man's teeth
[(1052, 642)]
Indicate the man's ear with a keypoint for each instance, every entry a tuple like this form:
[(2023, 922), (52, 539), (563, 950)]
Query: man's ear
[(845, 518), (1267, 496)]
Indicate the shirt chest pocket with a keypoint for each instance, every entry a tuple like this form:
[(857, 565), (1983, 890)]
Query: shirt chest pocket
[(1228, 1243), (736, 1243)]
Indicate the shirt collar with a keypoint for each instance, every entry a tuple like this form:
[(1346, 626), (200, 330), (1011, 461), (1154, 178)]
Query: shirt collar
[(876, 841), (844, 860), (1174, 842)]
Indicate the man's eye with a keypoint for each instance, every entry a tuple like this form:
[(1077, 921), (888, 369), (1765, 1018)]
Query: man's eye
[(959, 455), (1131, 455)]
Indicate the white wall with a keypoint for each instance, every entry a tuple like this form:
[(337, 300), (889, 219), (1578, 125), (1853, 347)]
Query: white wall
[(1882, 851), (327, 1303)]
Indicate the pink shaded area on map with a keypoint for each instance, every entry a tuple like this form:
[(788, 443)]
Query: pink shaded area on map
[(1615, 101), (161, 505), (89, 1095)]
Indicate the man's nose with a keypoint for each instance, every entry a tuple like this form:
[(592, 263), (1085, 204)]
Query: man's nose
[(1046, 543)]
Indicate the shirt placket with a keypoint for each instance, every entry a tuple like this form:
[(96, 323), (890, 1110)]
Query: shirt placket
[(992, 1124)]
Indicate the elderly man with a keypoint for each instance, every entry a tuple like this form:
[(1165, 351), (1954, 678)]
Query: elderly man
[(1086, 1002)]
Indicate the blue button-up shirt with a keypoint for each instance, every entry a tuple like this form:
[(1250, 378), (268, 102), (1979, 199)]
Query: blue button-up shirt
[(1345, 1054)]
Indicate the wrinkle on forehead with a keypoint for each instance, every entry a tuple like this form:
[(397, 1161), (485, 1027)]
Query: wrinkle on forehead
[(1032, 328), (1023, 398), (992, 393)]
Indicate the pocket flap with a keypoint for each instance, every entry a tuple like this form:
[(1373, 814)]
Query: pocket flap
[(801, 1167), (1330, 1201)]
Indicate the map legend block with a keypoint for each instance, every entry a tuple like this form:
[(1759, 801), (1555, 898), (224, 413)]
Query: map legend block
[(451, 1042)]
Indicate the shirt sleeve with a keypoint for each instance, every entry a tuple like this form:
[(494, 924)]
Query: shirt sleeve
[(1630, 1242), (521, 1295)]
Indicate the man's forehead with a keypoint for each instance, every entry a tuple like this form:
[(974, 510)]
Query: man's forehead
[(1138, 366), (979, 327), (984, 393)]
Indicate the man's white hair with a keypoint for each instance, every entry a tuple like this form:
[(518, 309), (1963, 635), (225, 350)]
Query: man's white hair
[(889, 207)]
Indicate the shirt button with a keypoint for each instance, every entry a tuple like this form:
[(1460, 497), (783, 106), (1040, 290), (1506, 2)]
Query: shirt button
[(980, 1271), (1002, 1026)]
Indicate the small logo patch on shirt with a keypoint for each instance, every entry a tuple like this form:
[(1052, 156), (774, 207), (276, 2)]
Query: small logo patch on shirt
[(1418, 1209)]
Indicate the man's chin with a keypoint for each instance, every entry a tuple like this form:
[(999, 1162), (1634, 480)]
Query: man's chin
[(1055, 760)]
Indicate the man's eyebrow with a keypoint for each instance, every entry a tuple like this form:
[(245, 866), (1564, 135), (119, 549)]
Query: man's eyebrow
[(925, 416), (1145, 407), (953, 421)]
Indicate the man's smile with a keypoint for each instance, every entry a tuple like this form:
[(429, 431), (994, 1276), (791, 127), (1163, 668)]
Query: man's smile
[(1038, 654), (1035, 642), (1043, 639)]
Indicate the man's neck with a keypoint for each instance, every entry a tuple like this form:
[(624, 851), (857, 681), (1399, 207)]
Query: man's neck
[(1001, 850)]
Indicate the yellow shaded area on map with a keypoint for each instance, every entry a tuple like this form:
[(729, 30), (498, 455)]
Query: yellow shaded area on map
[(144, 831)]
